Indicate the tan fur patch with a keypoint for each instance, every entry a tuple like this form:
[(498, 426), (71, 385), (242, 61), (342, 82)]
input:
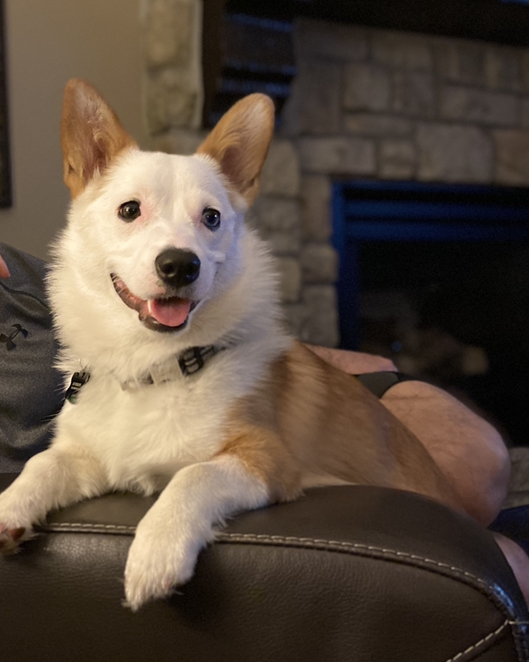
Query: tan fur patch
[(239, 143), (91, 135), (307, 417)]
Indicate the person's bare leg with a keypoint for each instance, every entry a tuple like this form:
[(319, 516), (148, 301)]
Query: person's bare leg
[(468, 450)]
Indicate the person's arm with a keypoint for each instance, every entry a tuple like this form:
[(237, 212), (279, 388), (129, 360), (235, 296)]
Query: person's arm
[(467, 449)]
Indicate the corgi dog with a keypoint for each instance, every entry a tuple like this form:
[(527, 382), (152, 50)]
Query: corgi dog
[(183, 380)]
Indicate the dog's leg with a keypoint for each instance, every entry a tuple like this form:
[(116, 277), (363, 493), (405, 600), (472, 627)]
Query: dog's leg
[(170, 536), (51, 479)]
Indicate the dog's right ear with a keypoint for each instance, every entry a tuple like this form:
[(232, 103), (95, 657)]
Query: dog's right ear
[(91, 135)]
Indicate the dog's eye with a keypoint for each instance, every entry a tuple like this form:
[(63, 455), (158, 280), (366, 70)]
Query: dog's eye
[(211, 218), (129, 211)]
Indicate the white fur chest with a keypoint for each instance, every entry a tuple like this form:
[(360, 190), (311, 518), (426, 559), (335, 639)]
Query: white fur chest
[(143, 436)]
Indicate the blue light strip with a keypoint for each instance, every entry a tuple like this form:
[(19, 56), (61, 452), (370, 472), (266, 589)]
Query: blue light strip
[(446, 211), (259, 67), (258, 22), (229, 85), (377, 230)]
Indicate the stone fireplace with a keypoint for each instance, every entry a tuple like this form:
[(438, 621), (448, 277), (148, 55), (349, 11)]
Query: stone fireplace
[(366, 103)]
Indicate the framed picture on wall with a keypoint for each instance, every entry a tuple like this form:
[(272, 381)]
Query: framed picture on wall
[(5, 165)]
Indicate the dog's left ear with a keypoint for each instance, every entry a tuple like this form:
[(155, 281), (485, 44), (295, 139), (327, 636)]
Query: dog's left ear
[(91, 135), (239, 143)]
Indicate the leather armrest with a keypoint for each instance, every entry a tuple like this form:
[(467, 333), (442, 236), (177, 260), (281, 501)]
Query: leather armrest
[(344, 573)]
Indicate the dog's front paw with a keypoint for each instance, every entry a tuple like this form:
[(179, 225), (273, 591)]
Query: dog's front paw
[(157, 564), (15, 523), (11, 537)]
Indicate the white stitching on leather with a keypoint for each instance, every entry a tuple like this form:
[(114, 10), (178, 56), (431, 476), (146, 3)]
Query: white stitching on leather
[(226, 537), (373, 548), (480, 642), (84, 525), (349, 545), (285, 539)]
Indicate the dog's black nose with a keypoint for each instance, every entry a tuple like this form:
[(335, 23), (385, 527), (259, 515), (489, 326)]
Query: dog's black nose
[(177, 267)]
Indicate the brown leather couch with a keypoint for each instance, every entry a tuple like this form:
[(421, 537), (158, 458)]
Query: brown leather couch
[(356, 574)]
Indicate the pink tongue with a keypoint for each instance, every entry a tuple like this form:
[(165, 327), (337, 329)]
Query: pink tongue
[(170, 312)]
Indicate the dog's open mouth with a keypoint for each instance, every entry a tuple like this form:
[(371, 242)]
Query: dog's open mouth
[(163, 314)]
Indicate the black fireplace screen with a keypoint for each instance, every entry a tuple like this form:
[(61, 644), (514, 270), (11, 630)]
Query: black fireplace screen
[(436, 277)]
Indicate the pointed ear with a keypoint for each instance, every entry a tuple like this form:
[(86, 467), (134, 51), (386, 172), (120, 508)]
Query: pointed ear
[(239, 143), (91, 135)]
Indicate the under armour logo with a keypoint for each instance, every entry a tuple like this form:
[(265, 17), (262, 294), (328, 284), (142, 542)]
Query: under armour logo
[(8, 340)]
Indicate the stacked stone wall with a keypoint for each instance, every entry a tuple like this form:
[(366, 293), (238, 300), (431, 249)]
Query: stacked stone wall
[(392, 105)]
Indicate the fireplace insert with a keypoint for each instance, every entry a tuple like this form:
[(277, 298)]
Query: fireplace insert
[(436, 277)]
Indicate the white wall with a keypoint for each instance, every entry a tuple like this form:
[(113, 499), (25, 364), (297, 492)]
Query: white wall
[(48, 42)]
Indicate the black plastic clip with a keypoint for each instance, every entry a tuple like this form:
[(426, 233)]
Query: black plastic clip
[(79, 379)]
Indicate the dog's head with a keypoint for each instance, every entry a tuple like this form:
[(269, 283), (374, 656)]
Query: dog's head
[(160, 231)]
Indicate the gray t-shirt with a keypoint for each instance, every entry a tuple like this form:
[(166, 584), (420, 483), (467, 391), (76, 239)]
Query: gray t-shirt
[(31, 390)]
